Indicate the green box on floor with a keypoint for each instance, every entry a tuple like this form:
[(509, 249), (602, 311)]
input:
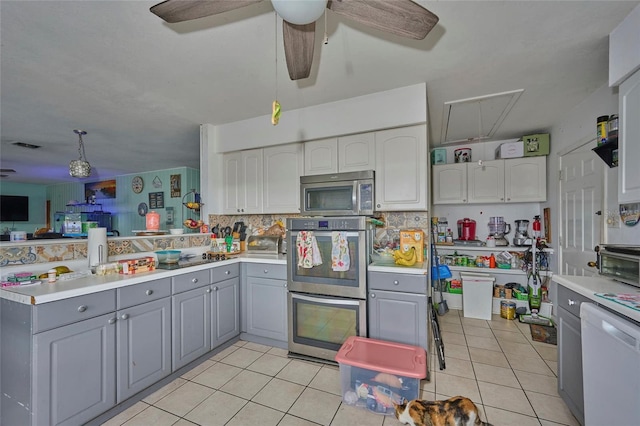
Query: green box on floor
[(535, 145)]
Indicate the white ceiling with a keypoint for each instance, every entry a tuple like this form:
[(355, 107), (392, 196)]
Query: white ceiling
[(141, 87)]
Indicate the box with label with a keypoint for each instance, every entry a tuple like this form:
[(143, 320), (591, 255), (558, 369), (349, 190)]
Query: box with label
[(413, 238), (375, 373), (439, 156), (510, 150), (135, 266), (535, 145)]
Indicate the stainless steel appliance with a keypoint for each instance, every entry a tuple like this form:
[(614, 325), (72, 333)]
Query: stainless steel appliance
[(498, 228), (325, 306), (620, 262), (337, 194), (521, 237)]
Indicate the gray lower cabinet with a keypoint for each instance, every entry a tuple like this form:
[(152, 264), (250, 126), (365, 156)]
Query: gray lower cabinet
[(144, 346), (570, 385), (225, 303), (191, 327), (397, 308), (266, 301), (74, 372)]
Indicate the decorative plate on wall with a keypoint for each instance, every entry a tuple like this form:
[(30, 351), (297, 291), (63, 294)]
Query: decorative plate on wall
[(143, 209)]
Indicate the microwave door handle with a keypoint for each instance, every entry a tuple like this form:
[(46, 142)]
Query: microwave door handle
[(355, 196)]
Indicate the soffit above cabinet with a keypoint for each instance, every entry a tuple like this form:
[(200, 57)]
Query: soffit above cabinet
[(476, 119)]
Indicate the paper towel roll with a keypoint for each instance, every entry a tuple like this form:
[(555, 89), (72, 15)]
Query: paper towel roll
[(97, 249)]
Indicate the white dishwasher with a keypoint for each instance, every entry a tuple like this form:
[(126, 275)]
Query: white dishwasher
[(610, 368)]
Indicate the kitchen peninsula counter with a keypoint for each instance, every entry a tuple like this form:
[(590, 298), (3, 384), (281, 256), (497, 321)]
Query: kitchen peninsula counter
[(50, 292), (589, 286)]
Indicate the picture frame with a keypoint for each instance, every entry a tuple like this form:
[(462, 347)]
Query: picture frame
[(156, 200), (105, 189), (176, 186)]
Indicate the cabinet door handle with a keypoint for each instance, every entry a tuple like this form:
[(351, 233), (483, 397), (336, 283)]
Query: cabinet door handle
[(571, 302), (373, 295), (238, 210), (464, 200), (195, 280), (82, 308), (285, 285), (215, 288), (227, 272), (124, 316), (149, 292), (396, 282), (378, 205), (208, 290), (112, 320), (266, 271)]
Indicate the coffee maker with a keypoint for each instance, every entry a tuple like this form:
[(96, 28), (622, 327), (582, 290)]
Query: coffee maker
[(498, 228), (521, 237)]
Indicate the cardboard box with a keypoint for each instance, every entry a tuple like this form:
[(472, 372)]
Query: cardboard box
[(439, 156), (413, 238), (535, 145), (376, 373), (135, 266), (510, 150)]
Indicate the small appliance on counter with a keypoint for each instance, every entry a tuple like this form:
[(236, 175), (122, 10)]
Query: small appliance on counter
[(264, 244), (619, 262), (521, 237), (498, 228), (466, 229)]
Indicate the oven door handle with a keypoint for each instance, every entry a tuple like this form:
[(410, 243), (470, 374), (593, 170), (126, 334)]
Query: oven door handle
[(321, 299)]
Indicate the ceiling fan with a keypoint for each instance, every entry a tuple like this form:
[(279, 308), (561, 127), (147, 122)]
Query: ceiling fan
[(400, 17)]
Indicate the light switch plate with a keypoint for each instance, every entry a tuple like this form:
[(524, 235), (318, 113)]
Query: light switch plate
[(169, 215)]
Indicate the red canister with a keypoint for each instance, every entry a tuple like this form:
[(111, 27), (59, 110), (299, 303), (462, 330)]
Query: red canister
[(466, 229), (153, 221)]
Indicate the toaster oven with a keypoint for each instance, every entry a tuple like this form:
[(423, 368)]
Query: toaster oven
[(622, 263)]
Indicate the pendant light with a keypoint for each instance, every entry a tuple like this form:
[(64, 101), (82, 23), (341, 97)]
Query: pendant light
[(80, 168)]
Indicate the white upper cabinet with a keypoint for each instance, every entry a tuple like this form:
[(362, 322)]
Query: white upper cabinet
[(624, 54), (401, 169), (243, 182), (283, 166), (513, 180), (356, 152), (450, 183), (485, 181), (629, 140), (525, 179), (351, 153), (321, 157), (265, 180)]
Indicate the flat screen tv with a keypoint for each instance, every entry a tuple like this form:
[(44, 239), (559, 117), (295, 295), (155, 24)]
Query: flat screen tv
[(14, 208)]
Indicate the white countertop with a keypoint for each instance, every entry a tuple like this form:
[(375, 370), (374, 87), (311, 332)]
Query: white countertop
[(417, 269), (588, 286), (46, 292)]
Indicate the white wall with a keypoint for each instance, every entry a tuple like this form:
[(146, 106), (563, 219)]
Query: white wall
[(579, 125)]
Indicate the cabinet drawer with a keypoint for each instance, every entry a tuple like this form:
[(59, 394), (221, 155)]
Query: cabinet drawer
[(398, 282), (267, 270), (189, 281), (143, 292), (221, 273), (570, 300), (62, 312)]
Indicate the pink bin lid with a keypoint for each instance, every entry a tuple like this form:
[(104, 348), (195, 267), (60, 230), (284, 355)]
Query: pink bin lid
[(383, 356)]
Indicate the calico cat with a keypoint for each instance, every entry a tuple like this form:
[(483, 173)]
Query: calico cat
[(456, 411)]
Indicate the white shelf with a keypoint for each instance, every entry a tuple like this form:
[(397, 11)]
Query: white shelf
[(497, 271), (484, 248)]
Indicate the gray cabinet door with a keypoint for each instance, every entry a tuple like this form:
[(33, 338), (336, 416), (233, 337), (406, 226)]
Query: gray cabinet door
[(191, 334), (570, 362), (225, 308), (144, 346), (398, 317), (74, 372), (267, 308)]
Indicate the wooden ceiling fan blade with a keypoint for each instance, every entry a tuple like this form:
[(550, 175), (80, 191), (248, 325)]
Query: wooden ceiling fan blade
[(185, 10), (298, 48), (400, 17)]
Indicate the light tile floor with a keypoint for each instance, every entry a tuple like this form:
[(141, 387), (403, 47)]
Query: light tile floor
[(511, 378)]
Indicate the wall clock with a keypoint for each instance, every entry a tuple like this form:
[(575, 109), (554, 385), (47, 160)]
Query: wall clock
[(137, 184)]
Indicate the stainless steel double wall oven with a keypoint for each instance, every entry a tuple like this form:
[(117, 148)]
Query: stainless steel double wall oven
[(326, 302)]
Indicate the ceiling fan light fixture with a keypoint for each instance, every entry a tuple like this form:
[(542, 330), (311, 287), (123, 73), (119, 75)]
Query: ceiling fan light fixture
[(80, 168), (299, 12)]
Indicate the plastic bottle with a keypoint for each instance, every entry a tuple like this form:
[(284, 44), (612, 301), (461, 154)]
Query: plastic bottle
[(536, 227), (492, 261)]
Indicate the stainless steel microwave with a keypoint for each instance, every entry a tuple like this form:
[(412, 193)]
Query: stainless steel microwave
[(337, 194), (622, 263)]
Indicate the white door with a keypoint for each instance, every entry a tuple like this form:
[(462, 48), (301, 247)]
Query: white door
[(581, 199)]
